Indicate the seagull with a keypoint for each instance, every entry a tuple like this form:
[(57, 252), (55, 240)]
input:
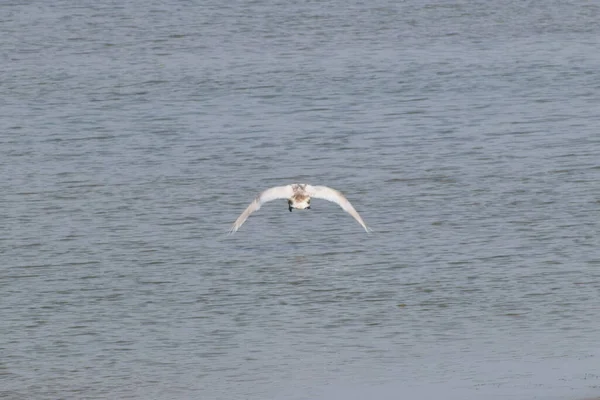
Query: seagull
[(298, 196)]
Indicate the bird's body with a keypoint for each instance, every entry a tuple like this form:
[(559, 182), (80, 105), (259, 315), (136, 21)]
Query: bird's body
[(298, 196)]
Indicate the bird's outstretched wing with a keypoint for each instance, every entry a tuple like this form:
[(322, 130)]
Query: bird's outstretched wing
[(329, 194), (274, 193)]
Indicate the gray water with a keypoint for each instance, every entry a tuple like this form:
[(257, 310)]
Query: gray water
[(467, 134)]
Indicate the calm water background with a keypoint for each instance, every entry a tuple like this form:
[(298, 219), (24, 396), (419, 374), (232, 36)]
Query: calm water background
[(466, 133)]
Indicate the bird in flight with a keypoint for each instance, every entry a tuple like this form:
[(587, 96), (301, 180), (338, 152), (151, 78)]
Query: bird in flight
[(298, 197)]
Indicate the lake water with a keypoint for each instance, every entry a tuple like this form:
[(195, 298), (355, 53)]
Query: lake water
[(467, 134)]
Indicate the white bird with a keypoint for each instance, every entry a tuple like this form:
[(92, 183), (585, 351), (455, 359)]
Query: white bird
[(298, 197)]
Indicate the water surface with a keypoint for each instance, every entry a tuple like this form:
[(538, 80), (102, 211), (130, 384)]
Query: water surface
[(466, 134)]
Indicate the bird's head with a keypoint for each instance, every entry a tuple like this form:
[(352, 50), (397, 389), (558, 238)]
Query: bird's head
[(299, 202)]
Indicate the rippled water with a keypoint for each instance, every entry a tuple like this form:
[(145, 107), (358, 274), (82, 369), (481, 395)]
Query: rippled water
[(466, 134)]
